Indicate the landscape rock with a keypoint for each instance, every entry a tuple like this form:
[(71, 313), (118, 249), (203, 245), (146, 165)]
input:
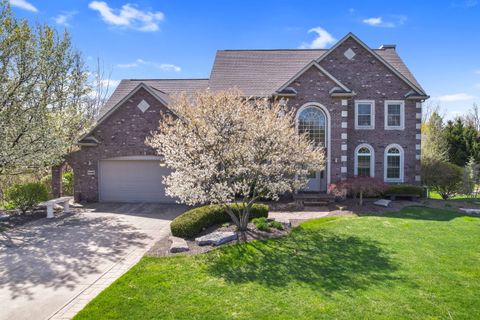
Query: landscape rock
[(286, 222), (470, 211), (383, 202), (178, 245), (216, 238)]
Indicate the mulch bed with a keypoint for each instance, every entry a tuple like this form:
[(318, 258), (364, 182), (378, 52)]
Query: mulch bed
[(161, 248), (16, 218)]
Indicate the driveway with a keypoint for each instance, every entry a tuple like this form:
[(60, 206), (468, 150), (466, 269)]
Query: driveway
[(51, 268)]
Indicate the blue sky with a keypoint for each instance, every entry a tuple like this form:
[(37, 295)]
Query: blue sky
[(438, 40)]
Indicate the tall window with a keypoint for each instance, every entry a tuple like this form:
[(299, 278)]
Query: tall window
[(394, 114), (312, 120), (364, 114), (394, 163), (364, 161)]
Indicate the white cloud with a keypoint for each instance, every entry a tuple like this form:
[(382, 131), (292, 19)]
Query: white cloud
[(321, 41), (109, 83), (373, 21), (23, 4), (127, 65), (161, 66), (455, 97), (169, 67), (392, 21), (63, 18), (128, 16)]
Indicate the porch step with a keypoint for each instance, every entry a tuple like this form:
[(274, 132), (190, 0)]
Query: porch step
[(314, 198)]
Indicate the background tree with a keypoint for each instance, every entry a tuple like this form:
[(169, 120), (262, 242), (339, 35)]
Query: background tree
[(433, 137), (222, 147), (43, 84)]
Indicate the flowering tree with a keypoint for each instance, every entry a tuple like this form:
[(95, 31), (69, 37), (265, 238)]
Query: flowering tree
[(222, 147)]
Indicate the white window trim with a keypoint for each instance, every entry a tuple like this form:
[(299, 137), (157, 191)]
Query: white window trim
[(327, 114), (402, 115), (372, 124), (402, 154), (372, 159)]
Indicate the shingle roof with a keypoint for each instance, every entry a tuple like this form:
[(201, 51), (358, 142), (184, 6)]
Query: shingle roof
[(262, 72), (258, 72), (391, 56), (254, 72), (164, 88)]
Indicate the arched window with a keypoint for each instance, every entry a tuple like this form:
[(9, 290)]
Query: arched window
[(364, 161), (312, 120), (393, 163)]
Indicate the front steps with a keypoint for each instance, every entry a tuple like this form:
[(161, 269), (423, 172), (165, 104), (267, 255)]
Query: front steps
[(313, 199)]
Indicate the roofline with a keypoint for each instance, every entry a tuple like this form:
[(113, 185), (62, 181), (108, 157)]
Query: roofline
[(118, 104), (313, 63), (376, 55), (287, 49), (174, 79)]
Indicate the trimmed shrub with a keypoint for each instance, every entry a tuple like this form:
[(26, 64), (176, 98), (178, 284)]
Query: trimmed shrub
[(404, 189), (261, 224), (192, 222), (26, 196), (442, 177)]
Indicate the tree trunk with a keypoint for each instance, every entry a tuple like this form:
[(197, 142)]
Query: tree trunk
[(360, 199)]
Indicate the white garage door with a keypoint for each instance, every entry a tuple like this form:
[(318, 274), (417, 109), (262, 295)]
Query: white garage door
[(132, 181)]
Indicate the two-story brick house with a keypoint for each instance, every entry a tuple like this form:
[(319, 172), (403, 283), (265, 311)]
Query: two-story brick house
[(363, 104)]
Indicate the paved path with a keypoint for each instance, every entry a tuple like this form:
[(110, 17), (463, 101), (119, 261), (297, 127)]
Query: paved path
[(52, 268)]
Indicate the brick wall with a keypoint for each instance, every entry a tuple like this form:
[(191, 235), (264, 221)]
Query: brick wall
[(121, 134)]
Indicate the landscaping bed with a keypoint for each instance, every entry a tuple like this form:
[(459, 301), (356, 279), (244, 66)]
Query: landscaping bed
[(161, 248)]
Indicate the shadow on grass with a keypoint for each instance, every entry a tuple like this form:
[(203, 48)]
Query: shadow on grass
[(421, 213), (316, 258)]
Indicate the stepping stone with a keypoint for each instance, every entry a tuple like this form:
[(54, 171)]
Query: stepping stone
[(383, 202), (216, 238), (470, 210), (178, 245)]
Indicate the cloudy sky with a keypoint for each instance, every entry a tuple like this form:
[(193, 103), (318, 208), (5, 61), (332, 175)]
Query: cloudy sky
[(439, 40)]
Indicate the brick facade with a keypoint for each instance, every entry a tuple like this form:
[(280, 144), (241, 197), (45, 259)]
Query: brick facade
[(123, 133)]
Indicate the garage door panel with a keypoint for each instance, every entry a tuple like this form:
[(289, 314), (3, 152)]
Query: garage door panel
[(132, 181)]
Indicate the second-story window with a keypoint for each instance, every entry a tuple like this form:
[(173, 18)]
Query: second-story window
[(364, 114), (394, 115)]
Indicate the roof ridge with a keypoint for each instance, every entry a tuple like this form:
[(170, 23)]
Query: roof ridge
[(273, 50), (174, 79)]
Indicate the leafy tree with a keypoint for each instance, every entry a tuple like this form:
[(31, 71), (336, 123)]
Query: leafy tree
[(456, 146), (434, 145), (43, 85), (442, 177), (223, 146)]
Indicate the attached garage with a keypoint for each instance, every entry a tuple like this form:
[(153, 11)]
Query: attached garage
[(132, 180)]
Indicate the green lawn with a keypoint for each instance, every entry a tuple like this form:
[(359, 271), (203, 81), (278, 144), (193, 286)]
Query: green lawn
[(416, 264)]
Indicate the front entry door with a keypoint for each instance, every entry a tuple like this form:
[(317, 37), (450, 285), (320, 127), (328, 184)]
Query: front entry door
[(312, 120), (317, 181)]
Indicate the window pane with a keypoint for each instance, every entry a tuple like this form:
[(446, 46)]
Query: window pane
[(364, 114), (364, 120), (394, 115), (364, 108), (393, 166), (312, 121), (363, 166)]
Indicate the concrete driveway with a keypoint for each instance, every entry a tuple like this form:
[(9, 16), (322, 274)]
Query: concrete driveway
[(52, 268)]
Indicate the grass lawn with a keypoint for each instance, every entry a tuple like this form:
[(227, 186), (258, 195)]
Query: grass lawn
[(418, 264), (461, 197)]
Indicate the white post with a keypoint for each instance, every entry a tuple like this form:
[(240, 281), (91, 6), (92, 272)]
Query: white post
[(50, 210), (66, 207)]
